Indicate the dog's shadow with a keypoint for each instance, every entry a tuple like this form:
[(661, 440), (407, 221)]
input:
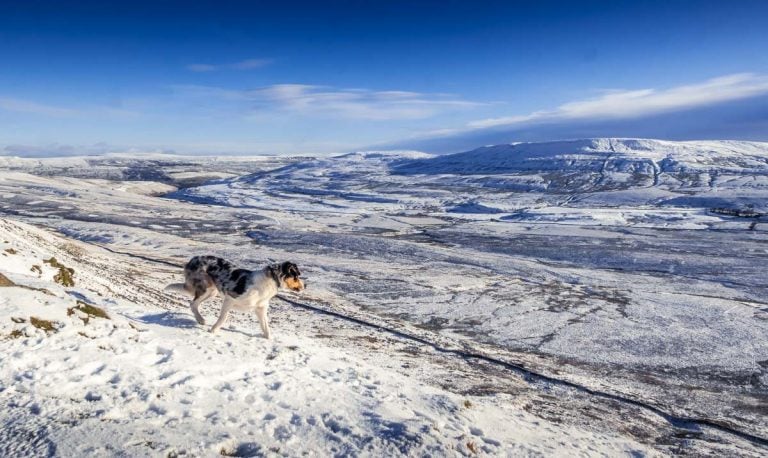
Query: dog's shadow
[(170, 319), (177, 320)]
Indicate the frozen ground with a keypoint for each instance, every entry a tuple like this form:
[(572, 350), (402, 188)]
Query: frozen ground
[(608, 265), (109, 366)]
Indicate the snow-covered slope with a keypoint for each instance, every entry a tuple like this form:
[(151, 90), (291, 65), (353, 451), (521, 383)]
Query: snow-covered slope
[(171, 169), (714, 172), (110, 366), (628, 287), (495, 179), (642, 156)]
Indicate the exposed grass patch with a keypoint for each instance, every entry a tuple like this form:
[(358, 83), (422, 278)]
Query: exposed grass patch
[(467, 404), (37, 269), (472, 447), (65, 275), (40, 323), (4, 281), (18, 320), (16, 333), (90, 310), (10, 251)]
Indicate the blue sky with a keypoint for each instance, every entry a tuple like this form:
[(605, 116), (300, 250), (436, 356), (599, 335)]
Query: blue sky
[(322, 77)]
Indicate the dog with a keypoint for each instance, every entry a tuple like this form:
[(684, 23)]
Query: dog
[(245, 290)]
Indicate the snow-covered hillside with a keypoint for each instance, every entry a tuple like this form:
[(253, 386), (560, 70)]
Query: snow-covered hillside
[(696, 174), (102, 363), (507, 178), (620, 285)]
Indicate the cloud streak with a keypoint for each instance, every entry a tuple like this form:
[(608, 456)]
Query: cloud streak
[(325, 102), (247, 64), (729, 107), (624, 104)]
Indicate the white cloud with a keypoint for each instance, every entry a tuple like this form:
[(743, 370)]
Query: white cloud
[(619, 104), (247, 64), (26, 106), (354, 103)]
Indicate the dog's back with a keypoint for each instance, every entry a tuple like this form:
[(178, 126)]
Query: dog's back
[(204, 272)]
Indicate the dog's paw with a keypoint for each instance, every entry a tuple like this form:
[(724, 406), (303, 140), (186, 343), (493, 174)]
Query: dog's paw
[(200, 321)]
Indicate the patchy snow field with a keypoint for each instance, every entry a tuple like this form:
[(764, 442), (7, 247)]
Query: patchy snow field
[(514, 300), (110, 366)]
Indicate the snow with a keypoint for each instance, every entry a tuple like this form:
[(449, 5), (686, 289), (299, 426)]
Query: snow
[(597, 262), (148, 380)]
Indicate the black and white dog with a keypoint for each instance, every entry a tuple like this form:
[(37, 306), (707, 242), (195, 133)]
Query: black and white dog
[(246, 290)]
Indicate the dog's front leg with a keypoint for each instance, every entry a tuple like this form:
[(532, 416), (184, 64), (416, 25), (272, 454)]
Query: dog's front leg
[(225, 308), (261, 312)]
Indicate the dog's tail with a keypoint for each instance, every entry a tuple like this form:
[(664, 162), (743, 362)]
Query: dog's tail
[(177, 288)]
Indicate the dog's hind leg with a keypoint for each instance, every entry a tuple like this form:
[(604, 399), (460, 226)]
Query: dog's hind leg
[(261, 312), (225, 308), (200, 297)]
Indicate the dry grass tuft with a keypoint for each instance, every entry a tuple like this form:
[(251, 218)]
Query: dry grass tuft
[(65, 276), (92, 310), (40, 323)]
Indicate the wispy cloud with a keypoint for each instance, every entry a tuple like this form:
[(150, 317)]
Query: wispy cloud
[(321, 101), (201, 68), (26, 106), (620, 104), (247, 64), (728, 107)]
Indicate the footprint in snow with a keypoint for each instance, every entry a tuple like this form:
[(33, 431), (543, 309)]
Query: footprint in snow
[(167, 354)]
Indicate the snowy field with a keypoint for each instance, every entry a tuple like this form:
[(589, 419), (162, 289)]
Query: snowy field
[(592, 297)]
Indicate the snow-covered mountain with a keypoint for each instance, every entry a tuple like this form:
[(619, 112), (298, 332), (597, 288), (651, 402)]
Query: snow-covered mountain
[(701, 174), (610, 154), (601, 264), (613, 164), (504, 178)]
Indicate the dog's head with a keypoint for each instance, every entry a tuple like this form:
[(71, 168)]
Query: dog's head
[(289, 276)]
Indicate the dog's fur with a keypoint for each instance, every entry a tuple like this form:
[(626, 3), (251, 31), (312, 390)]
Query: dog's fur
[(246, 290)]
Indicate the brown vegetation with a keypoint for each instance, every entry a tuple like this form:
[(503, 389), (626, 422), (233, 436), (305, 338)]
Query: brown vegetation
[(65, 276)]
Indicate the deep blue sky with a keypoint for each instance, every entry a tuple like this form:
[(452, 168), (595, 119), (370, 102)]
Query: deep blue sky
[(333, 76)]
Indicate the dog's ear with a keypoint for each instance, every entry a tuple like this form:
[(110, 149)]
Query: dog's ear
[(290, 269)]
